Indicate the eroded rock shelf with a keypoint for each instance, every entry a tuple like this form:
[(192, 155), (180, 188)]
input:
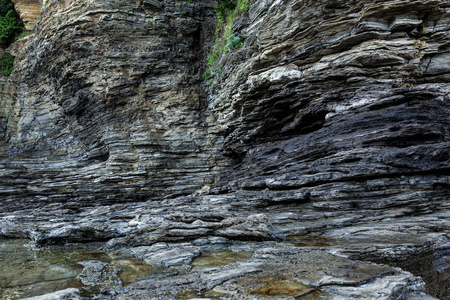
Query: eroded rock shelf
[(314, 166)]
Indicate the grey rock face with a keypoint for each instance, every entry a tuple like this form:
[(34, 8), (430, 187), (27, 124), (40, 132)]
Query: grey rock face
[(108, 105), (322, 148), (342, 104)]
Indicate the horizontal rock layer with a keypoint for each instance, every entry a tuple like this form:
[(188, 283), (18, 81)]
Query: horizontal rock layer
[(29, 11), (108, 105), (329, 128), (342, 104)]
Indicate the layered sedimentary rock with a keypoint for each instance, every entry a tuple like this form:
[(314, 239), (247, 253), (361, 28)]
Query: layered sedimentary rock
[(29, 11), (344, 105), (323, 141), (109, 94)]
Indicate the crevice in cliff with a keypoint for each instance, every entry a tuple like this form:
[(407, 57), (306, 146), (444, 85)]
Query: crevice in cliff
[(356, 178)]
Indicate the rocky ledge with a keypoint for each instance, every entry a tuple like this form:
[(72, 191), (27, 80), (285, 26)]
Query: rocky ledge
[(29, 11), (314, 166), (238, 247)]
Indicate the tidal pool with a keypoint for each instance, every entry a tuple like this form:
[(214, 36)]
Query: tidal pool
[(26, 272)]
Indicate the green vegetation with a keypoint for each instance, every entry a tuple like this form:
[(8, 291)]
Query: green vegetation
[(6, 63), (10, 24), (22, 35), (11, 28), (182, 3), (226, 11), (5, 6), (234, 42)]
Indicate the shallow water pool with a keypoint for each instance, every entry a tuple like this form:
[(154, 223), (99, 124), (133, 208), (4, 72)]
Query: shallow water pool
[(26, 272)]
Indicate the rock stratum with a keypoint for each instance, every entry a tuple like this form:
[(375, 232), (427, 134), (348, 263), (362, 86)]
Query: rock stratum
[(29, 11), (321, 149)]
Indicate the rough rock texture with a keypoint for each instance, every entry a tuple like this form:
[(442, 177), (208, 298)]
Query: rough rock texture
[(322, 145), (108, 105), (320, 250), (29, 11), (345, 105)]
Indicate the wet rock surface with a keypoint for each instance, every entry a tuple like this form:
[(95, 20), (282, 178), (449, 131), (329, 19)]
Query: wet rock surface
[(67, 294), (309, 253), (315, 166), (28, 271)]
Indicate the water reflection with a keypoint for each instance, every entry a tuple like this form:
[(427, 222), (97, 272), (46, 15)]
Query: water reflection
[(26, 273)]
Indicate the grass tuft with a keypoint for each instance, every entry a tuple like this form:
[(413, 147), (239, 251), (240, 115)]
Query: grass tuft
[(226, 12)]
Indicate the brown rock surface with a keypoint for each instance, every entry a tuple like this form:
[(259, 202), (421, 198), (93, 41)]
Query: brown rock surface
[(29, 11), (323, 141), (110, 92)]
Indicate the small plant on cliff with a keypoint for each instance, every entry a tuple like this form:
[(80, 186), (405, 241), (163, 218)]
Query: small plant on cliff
[(226, 12), (182, 4), (234, 42), (22, 35), (224, 8), (6, 63)]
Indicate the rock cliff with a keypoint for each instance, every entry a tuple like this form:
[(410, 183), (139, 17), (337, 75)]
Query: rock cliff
[(323, 141), (109, 92), (344, 104)]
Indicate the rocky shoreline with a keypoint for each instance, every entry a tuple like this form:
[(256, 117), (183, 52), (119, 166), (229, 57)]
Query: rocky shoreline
[(314, 164), (331, 253)]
